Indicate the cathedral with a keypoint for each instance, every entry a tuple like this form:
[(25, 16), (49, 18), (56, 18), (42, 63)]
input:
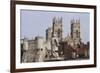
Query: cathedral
[(55, 47)]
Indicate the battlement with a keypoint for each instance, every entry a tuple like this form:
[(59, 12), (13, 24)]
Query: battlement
[(77, 21), (57, 20)]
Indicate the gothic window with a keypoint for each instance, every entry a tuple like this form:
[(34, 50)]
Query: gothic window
[(58, 32), (77, 33)]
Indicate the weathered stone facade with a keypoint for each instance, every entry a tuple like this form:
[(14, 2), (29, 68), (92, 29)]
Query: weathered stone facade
[(54, 46), (54, 36), (74, 38)]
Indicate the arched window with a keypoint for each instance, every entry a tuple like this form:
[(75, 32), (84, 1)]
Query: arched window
[(77, 33), (59, 33)]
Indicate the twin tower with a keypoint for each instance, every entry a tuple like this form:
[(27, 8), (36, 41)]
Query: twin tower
[(57, 30)]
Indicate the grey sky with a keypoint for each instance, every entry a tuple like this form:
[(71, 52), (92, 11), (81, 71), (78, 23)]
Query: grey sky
[(34, 23)]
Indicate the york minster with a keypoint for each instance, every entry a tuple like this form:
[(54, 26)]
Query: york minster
[(55, 46)]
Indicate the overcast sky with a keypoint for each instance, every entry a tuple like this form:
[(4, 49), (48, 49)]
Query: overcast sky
[(34, 23)]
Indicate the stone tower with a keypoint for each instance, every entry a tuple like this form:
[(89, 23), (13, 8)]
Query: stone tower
[(54, 36), (57, 28), (75, 31)]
